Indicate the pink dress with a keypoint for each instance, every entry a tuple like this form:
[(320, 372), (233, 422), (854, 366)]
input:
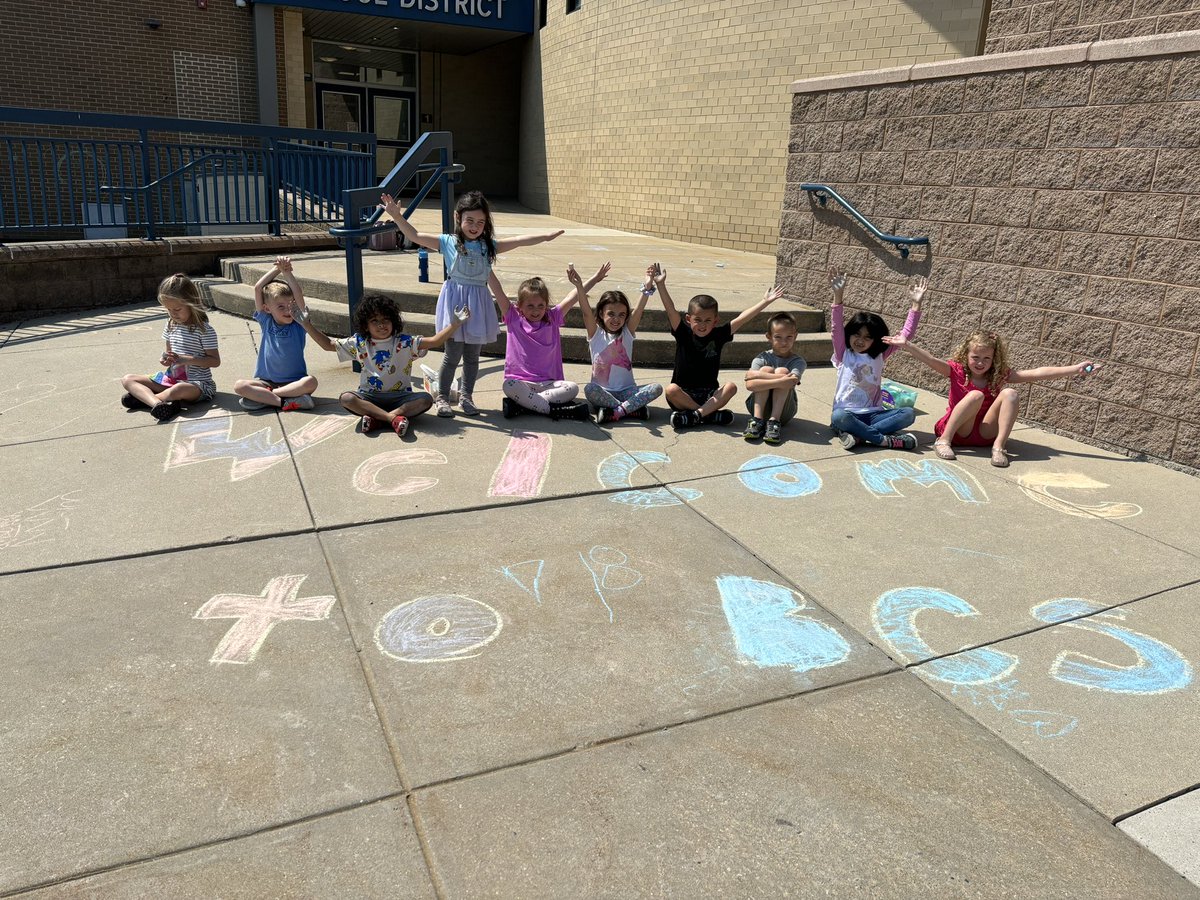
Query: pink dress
[(959, 388)]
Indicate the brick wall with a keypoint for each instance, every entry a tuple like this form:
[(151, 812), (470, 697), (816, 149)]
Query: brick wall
[(1061, 191), (1028, 24), (665, 117), (80, 56)]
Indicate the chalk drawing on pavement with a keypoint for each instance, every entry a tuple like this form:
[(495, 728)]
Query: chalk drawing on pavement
[(257, 614), (1037, 485), (202, 440), (438, 628), (609, 573), (527, 575), (779, 476), (880, 478), (617, 470), (1158, 669), (769, 628), (522, 469), (39, 523), (366, 476)]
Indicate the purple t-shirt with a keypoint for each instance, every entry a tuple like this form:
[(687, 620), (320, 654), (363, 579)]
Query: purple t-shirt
[(534, 349)]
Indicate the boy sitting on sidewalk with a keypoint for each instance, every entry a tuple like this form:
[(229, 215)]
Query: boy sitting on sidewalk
[(694, 393), (772, 380)]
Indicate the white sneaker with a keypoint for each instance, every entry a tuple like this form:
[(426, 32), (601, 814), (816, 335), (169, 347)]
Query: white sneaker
[(443, 408)]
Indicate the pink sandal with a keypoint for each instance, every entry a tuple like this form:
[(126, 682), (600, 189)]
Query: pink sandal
[(943, 450)]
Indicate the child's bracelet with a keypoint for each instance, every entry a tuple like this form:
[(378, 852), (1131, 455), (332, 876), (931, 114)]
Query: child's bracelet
[(648, 291), (303, 315)]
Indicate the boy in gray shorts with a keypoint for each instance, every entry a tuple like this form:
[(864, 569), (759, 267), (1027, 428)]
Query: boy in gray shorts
[(771, 382)]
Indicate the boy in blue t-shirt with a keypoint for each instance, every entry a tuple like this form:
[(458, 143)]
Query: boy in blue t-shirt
[(281, 379)]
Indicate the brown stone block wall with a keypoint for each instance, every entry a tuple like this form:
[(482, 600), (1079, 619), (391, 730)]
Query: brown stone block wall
[(1062, 202), (664, 118), (1029, 24)]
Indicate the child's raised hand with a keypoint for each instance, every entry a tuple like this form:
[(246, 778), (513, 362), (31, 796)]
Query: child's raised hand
[(837, 281), (1087, 367), (390, 206), (895, 340), (772, 294), (917, 288), (573, 277), (283, 263), (555, 234), (602, 273), (656, 273), (462, 313)]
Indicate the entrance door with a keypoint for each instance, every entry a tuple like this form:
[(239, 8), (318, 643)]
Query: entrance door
[(389, 113)]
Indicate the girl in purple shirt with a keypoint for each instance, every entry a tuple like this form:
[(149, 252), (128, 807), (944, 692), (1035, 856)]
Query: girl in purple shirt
[(533, 370)]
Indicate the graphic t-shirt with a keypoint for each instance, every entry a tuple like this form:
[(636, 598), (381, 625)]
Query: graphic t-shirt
[(386, 365), (611, 359)]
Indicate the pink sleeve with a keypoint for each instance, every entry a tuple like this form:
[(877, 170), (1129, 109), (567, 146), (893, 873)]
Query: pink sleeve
[(907, 332), (837, 331)]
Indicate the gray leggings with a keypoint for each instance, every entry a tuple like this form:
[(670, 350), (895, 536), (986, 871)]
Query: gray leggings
[(454, 352)]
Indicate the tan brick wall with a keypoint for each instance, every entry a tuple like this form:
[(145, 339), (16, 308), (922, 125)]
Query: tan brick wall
[(670, 117), (1063, 205), (1029, 24)]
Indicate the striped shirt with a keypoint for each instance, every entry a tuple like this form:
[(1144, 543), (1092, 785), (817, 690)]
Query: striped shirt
[(192, 341)]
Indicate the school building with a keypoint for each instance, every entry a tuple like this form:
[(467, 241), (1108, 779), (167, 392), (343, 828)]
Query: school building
[(669, 117)]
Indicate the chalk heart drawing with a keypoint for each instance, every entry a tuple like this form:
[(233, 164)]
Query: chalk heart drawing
[(439, 628), (257, 615), (769, 628), (779, 476), (522, 469), (880, 478), (38, 523), (1159, 668), (617, 470), (366, 476), (895, 620), (210, 439), (1037, 485)]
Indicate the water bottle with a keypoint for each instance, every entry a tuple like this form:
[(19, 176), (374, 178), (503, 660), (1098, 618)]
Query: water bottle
[(422, 264)]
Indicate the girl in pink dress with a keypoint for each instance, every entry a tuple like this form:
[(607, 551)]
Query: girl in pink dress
[(983, 407)]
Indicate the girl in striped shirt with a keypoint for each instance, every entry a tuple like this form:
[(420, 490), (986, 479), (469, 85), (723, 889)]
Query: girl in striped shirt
[(189, 355)]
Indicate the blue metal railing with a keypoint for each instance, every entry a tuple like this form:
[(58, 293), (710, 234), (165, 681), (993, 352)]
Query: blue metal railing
[(362, 204), (823, 192), (67, 171)]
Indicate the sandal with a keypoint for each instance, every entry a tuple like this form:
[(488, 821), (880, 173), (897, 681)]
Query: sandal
[(943, 450), (999, 459)]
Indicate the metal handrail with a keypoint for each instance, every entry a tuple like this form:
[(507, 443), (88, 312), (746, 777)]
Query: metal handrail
[(363, 211), (823, 192)]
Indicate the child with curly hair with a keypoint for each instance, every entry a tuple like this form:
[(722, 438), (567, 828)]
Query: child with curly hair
[(386, 355), (982, 408)]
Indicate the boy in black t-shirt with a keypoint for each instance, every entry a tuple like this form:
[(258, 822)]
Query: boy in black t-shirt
[(694, 393)]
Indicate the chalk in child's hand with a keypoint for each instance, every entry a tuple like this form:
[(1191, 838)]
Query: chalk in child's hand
[(462, 313)]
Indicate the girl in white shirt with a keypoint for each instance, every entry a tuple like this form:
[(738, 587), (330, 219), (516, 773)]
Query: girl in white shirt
[(612, 389)]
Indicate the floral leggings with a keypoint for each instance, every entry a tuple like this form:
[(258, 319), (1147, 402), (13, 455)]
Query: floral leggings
[(538, 395)]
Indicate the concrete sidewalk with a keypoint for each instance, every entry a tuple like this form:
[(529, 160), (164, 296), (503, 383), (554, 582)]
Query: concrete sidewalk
[(263, 655)]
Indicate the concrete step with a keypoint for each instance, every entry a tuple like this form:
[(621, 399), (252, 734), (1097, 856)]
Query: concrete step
[(421, 297), (654, 349)]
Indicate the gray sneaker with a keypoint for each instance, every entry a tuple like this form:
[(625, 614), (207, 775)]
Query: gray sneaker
[(304, 401), (443, 408), (467, 405), (772, 433), (247, 403)]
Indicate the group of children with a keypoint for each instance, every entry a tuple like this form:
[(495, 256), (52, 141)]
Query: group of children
[(982, 410)]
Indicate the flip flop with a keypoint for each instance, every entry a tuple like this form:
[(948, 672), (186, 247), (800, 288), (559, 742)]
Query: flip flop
[(999, 459), (944, 451)]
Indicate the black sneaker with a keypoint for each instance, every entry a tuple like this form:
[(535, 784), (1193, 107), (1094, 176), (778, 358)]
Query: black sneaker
[(167, 409), (643, 414), (754, 429), (577, 411), (131, 402), (603, 414), (772, 435), (510, 408), (720, 417), (684, 418), (901, 441)]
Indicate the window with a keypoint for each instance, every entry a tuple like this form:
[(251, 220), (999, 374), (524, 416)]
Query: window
[(573, 5), (542, 13)]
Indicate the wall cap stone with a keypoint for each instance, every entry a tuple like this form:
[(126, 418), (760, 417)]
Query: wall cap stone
[(36, 251), (1095, 51)]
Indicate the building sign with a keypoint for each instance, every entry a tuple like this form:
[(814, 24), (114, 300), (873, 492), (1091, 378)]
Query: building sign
[(505, 15)]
